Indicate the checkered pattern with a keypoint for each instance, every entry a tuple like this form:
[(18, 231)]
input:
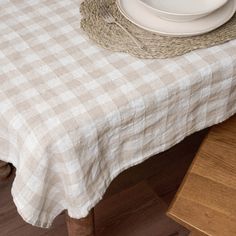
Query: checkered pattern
[(73, 115)]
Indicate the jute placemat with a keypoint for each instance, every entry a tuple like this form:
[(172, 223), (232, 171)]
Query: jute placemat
[(111, 37)]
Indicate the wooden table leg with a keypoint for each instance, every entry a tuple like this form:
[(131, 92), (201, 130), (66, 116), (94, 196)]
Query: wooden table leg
[(5, 170), (81, 227)]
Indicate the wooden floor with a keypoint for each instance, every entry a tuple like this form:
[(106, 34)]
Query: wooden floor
[(134, 205)]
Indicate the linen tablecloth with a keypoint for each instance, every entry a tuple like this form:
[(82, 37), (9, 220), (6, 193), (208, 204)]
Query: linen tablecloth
[(73, 115)]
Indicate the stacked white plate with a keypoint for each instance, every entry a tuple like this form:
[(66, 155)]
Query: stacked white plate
[(178, 17)]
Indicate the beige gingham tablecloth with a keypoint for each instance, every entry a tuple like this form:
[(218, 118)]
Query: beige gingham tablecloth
[(73, 115)]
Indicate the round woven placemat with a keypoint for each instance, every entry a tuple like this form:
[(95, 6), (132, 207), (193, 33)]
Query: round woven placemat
[(111, 37)]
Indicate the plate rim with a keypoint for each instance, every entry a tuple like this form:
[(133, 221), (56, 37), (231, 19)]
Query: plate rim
[(175, 34)]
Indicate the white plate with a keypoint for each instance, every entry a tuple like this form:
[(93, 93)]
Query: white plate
[(182, 10), (135, 12)]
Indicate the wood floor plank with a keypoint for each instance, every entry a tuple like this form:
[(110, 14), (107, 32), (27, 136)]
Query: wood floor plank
[(137, 211)]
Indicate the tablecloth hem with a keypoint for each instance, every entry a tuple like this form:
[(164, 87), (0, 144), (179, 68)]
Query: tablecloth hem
[(34, 221), (86, 208)]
